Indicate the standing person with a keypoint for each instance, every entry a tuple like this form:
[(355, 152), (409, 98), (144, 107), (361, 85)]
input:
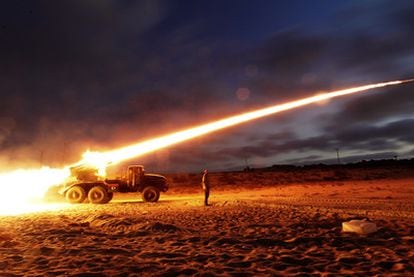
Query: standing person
[(205, 183)]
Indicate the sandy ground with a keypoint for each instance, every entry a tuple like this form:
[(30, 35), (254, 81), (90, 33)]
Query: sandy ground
[(284, 230)]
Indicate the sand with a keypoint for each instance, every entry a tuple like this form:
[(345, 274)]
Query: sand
[(279, 230)]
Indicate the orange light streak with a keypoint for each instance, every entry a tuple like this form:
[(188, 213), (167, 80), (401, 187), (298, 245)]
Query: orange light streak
[(20, 187), (102, 159)]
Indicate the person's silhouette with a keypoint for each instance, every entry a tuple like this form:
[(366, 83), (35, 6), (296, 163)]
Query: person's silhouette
[(205, 183)]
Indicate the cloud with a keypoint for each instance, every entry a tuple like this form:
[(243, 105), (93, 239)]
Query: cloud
[(360, 138), (348, 158), (371, 108), (101, 74)]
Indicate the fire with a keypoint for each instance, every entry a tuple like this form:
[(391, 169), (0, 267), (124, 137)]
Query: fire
[(20, 189), (21, 186), (102, 160)]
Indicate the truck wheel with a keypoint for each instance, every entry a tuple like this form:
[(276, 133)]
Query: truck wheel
[(75, 195), (150, 194), (110, 196), (98, 195)]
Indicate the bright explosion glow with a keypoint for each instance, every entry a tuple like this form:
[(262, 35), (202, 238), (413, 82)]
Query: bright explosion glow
[(21, 187)]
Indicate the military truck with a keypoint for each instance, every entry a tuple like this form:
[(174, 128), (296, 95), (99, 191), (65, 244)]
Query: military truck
[(86, 184)]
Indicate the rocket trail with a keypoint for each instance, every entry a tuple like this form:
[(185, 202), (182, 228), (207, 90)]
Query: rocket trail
[(102, 159), (30, 184)]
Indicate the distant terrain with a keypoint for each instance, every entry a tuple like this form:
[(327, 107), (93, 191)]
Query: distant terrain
[(290, 174)]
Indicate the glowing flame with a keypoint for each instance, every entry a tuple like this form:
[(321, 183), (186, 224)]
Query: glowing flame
[(21, 186), (102, 160)]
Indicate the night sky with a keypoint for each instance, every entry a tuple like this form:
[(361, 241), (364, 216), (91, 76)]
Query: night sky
[(99, 74)]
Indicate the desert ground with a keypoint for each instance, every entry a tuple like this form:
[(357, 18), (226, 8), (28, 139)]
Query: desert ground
[(257, 225)]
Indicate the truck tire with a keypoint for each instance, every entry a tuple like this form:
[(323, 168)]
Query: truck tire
[(75, 195), (98, 195), (110, 196), (150, 194)]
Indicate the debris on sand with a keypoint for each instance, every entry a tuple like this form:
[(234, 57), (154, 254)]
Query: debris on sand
[(363, 227), (162, 228)]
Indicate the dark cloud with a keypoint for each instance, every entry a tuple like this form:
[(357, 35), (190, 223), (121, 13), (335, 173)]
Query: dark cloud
[(99, 74), (307, 159), (86, 71), (348, 159), (287, 65), (371, 108), (399, 130), (363, 139)]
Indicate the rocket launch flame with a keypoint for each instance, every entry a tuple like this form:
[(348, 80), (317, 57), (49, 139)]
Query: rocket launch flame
[(102, 160), (20, 186)]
